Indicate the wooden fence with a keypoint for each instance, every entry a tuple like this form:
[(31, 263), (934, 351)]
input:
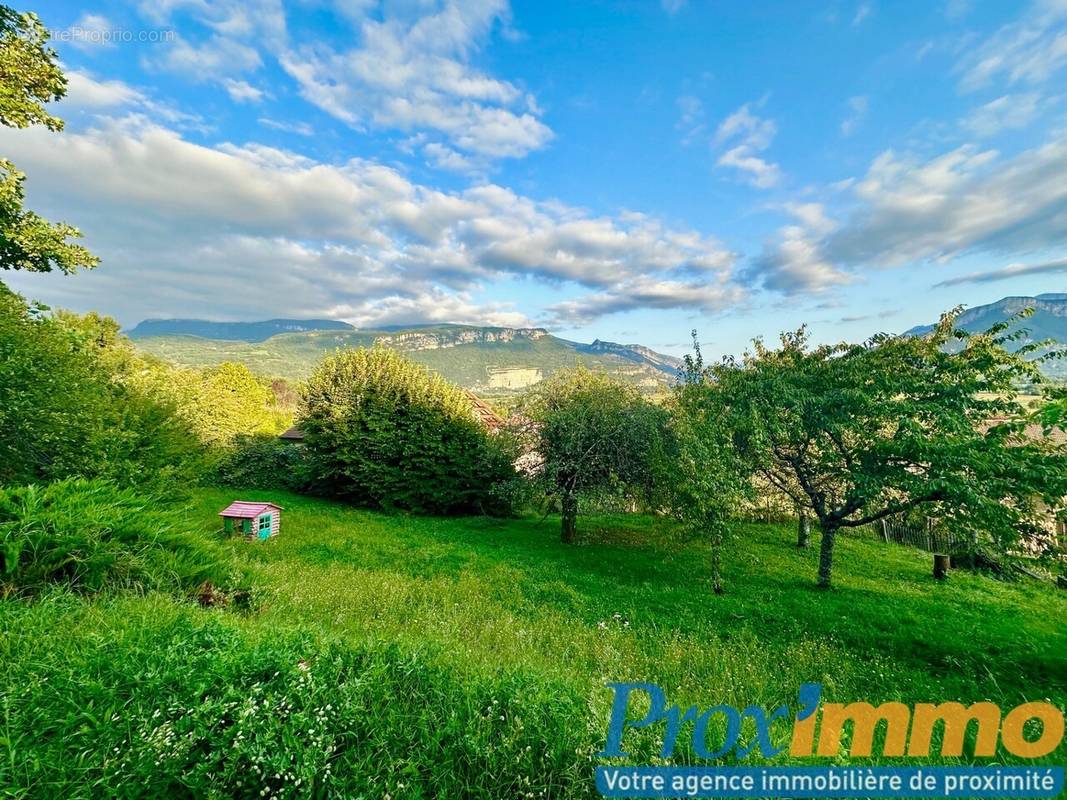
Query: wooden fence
[(924, 534)]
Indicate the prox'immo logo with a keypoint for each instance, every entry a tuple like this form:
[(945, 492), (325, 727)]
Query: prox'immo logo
[(1030, 730)]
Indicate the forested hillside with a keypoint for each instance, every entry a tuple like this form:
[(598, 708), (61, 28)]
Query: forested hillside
[(489, 360)]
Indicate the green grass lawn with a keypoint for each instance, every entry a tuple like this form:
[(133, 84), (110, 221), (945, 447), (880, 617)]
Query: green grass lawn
[(423, 657)]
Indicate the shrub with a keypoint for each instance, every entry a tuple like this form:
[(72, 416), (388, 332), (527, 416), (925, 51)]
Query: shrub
[(382, 431), (92, 535), (76, 399), (263, 462)]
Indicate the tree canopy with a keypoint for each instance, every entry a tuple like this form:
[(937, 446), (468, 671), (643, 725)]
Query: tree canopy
[(593, 433), (859, 432), (75, 399), (30, 77), (707, 476)]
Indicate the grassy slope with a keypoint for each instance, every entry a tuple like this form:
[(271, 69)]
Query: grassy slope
[(420, 630), (294, 355)]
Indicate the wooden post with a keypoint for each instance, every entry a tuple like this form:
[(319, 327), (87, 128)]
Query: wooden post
[(885, 530), (803, 531), (940, 566)]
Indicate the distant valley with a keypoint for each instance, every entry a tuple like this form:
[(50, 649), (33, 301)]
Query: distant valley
[(490, 360)]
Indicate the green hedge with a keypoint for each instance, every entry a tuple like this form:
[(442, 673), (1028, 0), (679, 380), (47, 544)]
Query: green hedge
[(383, 432)]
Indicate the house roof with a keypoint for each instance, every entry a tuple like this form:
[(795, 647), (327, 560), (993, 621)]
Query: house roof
[(483, 412), (1032, 433), (242, 509), (480, 409)]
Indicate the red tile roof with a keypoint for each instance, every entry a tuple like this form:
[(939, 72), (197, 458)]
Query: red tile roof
[(483, 412), (241, 509)]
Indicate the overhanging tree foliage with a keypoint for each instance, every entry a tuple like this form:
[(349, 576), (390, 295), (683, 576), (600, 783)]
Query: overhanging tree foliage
[(29, 78), (593, 434), (859, 432)]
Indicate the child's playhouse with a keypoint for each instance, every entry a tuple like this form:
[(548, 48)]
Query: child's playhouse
[(255, 520)]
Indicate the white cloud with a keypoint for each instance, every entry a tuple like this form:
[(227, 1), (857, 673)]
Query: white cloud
[(90, 32), (955, 10), (906, 211), (746, 135), (1009, 112), (409, 69), (963, 200), (793, 262), (242, 91), (647, 293), (1019, 270), (413, 74), (210, 60), (444, 157), (862, 12), (85, 91), (1030, 50), (243, 230), (691, 118), (300, 128), (672, 7)]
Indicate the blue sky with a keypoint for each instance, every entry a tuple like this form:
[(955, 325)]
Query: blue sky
[(626, 171)]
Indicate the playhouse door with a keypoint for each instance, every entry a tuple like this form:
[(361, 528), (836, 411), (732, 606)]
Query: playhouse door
[(264, 526)]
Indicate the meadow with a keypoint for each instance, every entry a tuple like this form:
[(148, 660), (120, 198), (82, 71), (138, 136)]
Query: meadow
[(421, 657)]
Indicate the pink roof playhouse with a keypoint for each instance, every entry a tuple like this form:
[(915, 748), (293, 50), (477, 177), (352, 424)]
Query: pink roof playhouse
[(255, 520)]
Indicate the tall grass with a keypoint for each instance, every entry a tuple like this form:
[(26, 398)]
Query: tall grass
[(419, 657), (91, 534)]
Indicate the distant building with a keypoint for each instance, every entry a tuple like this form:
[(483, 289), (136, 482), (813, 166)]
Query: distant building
[(483, 413), (294, 434)]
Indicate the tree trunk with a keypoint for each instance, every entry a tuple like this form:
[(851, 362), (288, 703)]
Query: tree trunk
[(941, 564), (569, 518), (826, 556), (803, 531), (716, 564)]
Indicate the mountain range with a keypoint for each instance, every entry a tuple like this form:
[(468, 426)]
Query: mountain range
[(493, 360), (1048, 322), (490, 360)]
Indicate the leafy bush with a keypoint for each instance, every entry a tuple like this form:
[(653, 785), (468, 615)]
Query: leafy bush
[(263, 462), (92, 535), (76, 399), (225, 402), (382, 431)]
